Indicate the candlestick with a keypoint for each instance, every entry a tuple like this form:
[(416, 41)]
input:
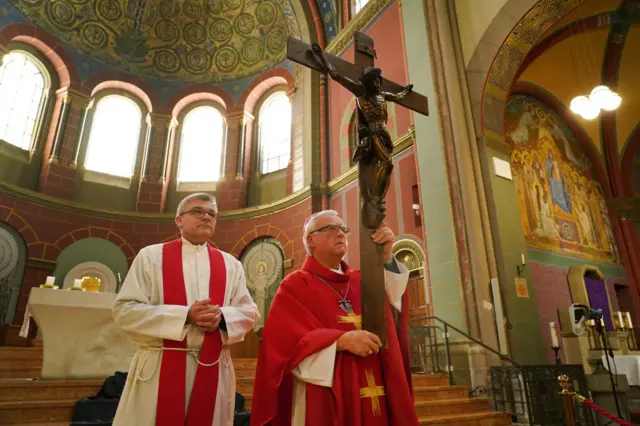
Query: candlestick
[(77, 285), (554, 335), (556, 352), (629, 323), (620, 321), (49, 283)]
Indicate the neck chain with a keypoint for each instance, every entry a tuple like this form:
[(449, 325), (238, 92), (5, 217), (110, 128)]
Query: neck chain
[(344, 304)]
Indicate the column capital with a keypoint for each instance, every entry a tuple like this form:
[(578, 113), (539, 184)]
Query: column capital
[(74, 97), (155, 119), (237, 118)]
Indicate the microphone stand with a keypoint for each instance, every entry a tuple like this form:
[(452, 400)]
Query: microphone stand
[(608, 352)]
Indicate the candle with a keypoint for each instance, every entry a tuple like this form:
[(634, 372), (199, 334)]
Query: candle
[(523, 262), (554, 335), (629, 323), (620, 322), (77, 283), (50, 281)]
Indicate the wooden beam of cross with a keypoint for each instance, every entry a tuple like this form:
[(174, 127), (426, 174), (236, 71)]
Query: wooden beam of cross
[(373, 154)]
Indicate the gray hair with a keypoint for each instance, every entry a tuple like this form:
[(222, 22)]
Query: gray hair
[(310, 224), (198, 196)]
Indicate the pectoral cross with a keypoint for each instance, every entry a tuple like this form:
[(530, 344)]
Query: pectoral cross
[(351, 318), (372, 391), (374, 154)]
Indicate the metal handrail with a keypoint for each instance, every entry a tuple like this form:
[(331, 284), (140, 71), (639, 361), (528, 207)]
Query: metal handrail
[(476, 341)]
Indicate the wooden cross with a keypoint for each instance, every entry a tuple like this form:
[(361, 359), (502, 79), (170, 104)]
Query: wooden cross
[(374, 154)]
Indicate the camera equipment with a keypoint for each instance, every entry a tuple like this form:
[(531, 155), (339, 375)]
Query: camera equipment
[(579, 314)]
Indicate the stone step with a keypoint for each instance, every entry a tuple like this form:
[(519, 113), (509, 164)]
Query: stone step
[(65, 423), (431, 393), (427, 380), (444, 407), (487, 418), (20, 372), (10, 352), (244, 386), (35, 390), (19, 412)]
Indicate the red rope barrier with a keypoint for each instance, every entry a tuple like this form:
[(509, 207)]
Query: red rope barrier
[(605, 413)]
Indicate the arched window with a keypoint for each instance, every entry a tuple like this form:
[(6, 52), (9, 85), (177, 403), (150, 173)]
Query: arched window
[(359, 4), (114, 136), (23, 85), (201, 145), (275, 133)]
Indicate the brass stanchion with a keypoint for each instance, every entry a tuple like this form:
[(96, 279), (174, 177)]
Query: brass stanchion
[(567, 400)]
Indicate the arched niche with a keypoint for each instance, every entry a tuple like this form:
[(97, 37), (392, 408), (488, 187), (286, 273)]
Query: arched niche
[(589, 287), (410, 254), (108, 280), (263, 263), (95, 251), (13, 258)]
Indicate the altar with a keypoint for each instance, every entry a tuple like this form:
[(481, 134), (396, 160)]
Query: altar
[(628, 365), (80, 339)]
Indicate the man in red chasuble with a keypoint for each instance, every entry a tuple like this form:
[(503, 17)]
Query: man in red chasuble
[(317, 367), (184, 303)]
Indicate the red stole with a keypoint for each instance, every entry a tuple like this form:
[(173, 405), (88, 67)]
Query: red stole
[(172, 388)]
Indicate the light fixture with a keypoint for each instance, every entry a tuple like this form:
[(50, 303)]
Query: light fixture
[(601, 98), (605, 98), (585, 107)]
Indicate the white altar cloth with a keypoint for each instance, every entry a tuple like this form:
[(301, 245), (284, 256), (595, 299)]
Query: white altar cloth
[(629, 365), (80, 339)]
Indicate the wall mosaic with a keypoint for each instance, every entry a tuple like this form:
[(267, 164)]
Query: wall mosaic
[(511, 55), (190, 40), (561, 201), (263, 263)]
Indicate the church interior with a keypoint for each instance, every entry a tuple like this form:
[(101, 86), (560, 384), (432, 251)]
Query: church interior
[(514, 199)]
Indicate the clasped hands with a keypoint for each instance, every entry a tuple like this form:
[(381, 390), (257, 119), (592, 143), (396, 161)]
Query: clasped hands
[(205, 316), (359, 342)]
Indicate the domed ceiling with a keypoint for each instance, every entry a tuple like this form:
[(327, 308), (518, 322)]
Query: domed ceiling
[(186, 40)]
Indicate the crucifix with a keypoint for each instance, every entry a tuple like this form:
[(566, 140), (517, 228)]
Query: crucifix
[(373, 154)]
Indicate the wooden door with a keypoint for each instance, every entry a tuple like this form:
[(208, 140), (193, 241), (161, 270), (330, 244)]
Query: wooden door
[(417, 301)]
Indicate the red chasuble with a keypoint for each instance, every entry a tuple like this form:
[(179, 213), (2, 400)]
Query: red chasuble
[(304, 318), (173, 368)]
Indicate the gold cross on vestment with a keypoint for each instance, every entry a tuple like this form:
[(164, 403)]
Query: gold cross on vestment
[(372, 391), (351, 318)]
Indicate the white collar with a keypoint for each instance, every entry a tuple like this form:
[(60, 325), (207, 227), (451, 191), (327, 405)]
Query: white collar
[(339, 270), (185, 242)]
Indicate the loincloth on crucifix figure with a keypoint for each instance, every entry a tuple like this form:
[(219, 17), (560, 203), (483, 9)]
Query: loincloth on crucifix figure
[(374, 150)]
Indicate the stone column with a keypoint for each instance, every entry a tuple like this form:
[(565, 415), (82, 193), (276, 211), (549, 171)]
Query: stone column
[(231, 190), (59, 169), (480, 260), (152, 179), (464, 170)]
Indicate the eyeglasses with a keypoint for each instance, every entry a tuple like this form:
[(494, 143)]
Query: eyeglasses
[(333, 228), (200, 212)]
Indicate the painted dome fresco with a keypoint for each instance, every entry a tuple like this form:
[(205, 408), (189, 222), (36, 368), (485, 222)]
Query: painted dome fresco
[(185, 40)]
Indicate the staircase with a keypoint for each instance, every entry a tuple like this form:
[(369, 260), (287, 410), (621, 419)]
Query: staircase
[(25, 401)]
